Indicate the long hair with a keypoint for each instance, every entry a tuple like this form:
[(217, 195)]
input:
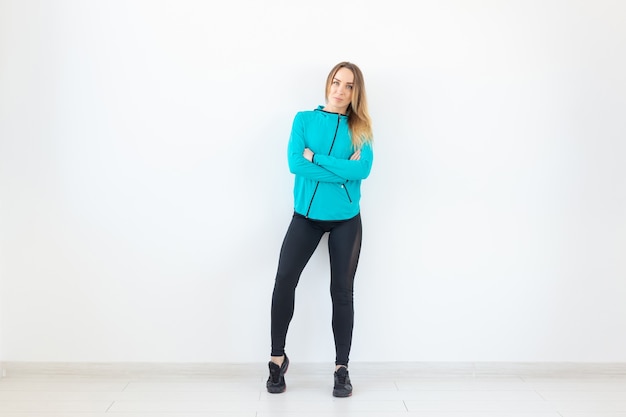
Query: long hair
[(359, 119)]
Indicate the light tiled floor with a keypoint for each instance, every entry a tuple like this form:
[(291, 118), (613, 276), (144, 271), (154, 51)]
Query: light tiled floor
[(381, 390)]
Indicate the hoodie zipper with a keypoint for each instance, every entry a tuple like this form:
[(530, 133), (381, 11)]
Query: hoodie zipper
[(329, 151), (347, 193)]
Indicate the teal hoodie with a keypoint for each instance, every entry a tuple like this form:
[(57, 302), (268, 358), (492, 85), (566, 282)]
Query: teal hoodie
[(329, 188)]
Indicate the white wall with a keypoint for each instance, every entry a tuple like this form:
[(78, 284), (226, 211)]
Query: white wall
[(144, 189)]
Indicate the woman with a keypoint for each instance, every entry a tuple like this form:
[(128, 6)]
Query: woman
[(330, 153)]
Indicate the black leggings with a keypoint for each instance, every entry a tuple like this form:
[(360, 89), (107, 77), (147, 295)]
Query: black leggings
[(301, 240)]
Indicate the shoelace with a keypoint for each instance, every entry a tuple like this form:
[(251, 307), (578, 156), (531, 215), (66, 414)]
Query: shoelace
[(342, 378), (275, 375)]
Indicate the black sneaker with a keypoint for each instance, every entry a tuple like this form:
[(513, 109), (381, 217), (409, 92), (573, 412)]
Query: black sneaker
[(343, 387), (276, 381)]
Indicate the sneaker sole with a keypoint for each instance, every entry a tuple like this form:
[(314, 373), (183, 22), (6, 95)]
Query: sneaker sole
[(341, 394), (277, 391)]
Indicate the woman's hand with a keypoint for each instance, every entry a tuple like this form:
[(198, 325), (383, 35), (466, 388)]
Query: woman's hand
[(356, 156), (308, 154)]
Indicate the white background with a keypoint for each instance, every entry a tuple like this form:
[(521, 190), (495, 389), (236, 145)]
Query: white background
[(144, 187)]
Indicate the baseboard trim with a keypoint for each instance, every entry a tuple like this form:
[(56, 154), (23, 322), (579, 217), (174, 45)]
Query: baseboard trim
[(426, 369)]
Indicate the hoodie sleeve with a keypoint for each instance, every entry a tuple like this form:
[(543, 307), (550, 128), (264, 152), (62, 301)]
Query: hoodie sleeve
[(299, 165), (344, 168)]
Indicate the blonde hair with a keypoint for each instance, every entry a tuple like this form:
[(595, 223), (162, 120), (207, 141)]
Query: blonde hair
[(359, 119)]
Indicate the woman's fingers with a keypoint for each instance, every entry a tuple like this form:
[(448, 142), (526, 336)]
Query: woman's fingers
[(356, 156)]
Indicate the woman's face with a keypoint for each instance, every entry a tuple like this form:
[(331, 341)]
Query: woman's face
[(340, 93)]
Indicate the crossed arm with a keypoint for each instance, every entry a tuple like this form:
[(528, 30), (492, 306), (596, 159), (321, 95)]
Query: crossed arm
[(326, 168)]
